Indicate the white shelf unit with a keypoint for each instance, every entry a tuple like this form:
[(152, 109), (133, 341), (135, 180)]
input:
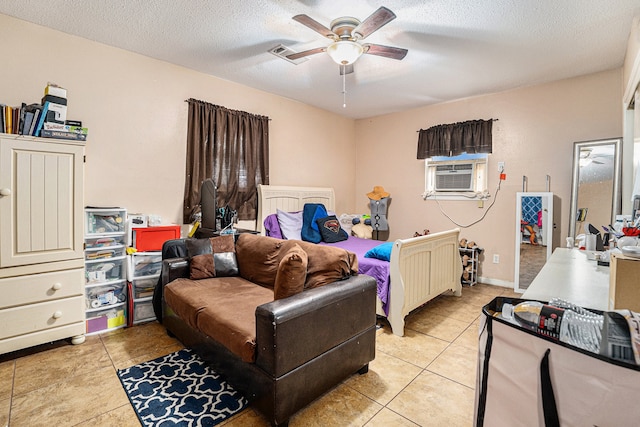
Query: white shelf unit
[(143, 272), (105, 269)]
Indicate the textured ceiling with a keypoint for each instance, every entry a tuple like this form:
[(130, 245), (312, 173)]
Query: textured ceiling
[(457, 48)]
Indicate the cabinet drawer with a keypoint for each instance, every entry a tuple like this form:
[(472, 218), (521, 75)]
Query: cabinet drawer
[(41, 287), (36, 317)]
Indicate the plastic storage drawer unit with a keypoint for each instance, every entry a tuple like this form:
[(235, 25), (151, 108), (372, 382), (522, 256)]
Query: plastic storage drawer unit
[(143, 311), (143, 287), (103, 320), (105, 270), (102, 296), (143, 264), (105, 221)]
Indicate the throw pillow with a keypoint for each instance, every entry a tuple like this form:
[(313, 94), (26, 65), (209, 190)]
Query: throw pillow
[(292, 273), (290, 224), (381, 252), (331, 230), (310, 213), (201, 263), (198, 247), (328, 264), (202, 267), (224, 255), (212, 257), (272, 227)]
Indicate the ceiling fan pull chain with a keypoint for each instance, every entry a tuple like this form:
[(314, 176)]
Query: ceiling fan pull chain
[(344, 87)]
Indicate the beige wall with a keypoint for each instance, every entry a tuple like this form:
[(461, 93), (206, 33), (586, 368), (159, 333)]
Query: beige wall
[(534, 136), (137, 118)]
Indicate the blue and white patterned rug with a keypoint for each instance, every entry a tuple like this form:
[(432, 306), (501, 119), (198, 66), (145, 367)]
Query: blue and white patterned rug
[(179, 390)]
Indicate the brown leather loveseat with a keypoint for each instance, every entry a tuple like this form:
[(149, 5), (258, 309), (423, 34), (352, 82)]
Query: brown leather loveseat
[(282, 320)]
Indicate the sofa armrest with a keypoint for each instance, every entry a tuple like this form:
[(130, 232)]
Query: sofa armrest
[(174, 268), (294, 330)]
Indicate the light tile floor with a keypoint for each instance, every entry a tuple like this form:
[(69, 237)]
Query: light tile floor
[(426, 378)]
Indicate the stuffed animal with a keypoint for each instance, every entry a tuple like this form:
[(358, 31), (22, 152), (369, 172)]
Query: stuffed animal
[(464, 243), (362, 230), (466, 273), (424, 233)]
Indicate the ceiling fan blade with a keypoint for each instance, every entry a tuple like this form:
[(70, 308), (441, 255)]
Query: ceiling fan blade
[(309, 52), (386, 51), (374, 22), (315, 26), (346, 69)]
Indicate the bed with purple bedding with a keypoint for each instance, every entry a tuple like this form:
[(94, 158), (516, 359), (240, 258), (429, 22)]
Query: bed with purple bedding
[(418, 268), (373, 267)]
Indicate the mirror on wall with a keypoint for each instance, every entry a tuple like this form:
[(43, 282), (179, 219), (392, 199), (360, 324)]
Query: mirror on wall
[(534, 236), (595, 193)]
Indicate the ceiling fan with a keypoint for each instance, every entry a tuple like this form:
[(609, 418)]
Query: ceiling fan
[(346, 33)]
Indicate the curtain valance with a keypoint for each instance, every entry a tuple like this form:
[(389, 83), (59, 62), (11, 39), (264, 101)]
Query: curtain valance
[(473, 136)]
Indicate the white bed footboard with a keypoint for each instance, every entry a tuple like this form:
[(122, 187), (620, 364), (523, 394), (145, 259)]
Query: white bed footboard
[(421, 269)]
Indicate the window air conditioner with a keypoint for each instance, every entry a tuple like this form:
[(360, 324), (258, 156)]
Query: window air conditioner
[(454, 177)]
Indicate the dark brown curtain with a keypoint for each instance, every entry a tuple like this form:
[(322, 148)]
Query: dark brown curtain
[(232, 147), (472, 137)]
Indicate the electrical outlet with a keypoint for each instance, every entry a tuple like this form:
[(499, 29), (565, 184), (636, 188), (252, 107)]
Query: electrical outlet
[(496, 259), (500, 167)]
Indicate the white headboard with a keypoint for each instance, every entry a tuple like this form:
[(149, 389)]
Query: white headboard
[(290, 199)]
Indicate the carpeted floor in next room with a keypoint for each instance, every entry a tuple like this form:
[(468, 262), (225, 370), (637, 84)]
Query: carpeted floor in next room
[(426, 378)]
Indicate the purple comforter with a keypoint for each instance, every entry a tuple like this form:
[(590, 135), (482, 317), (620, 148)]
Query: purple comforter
[(375, 268)]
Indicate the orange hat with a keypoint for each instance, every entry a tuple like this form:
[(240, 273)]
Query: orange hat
[(377, 193)]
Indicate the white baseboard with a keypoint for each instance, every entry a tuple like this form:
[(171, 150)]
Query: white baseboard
[(495, 282)]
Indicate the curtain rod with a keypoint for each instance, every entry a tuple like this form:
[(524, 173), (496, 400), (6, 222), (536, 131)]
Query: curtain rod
[(228, 109), (493, 120)]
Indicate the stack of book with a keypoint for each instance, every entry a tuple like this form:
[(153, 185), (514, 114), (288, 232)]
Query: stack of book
[(18, 120), (47, 120), (64, 131)]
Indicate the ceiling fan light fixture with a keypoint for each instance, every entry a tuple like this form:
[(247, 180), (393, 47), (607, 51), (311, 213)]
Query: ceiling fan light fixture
[(345, 52)]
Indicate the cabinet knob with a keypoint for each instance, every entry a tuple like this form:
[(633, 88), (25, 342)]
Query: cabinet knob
[(5, 191), (57, 315), (56, 286)]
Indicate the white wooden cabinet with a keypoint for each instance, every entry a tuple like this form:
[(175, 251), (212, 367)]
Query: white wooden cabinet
[(41, 241)]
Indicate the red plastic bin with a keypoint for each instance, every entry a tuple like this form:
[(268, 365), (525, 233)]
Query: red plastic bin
[(152, 238)]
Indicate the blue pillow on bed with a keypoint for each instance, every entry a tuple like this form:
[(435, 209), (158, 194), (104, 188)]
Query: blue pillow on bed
[(310, 213), (381, 252)]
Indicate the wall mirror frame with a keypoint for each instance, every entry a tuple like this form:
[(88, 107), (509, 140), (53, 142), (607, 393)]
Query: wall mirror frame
[(534, 236), (595, 184)]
